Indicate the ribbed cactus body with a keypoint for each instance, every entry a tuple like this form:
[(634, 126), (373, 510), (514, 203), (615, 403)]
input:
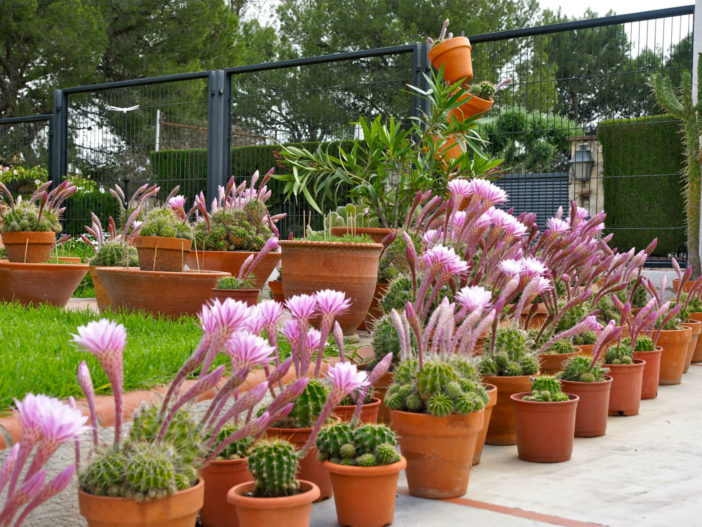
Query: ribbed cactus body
[(511, 357), (386, 454), (369, 445), (332, 438), (273, 465), (308, 406), (619, 354), (434, 377), (368, 437), (644, 344), (546, 389), (561, 347), (578, 369)]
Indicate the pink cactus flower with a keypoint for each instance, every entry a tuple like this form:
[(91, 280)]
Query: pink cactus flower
[(247, 350), (459, 188), (532, 267), (487, 191), (444, 259), (314, 338), (510, 267), (557, 225), (345, 377), (474, 297), (331, 303), (302, 306)]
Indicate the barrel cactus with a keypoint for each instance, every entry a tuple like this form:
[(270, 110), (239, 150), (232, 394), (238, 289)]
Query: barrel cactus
[(578, 369), (619, 354), (273, 464), (366, 446), (511, 357), (546, 389), (307, 407)]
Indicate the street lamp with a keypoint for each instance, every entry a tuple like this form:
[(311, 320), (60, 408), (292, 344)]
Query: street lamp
[(582, 162)]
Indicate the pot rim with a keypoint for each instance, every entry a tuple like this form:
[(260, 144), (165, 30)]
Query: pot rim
[(374, 402), (244, 290), (235, 497), (132, 270), (25, 233), (21, 266), (343, 245), (637, 362), (659, 349), (608, 379), (112, 499), (449, 43), (139, 240), (205, 251), (519, 397), (366, 472)]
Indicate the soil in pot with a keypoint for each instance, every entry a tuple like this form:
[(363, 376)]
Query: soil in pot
[(625, 396), (231, 262), (248, 296), (697, 353), (369, 412), (454, 55), (552, 363), (502, 428), (288, 511), (675, 344), (220, 476), (593, 406), (157, 253), (696, 327), (28, 246), (651, 373), (491, 390), (37, 283)]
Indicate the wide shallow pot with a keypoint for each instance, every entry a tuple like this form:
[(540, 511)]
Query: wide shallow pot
[(288, 511), (178, 510), (491, 390), (158, 253), (696, 327), (651, 373), (473, 106), (593, 406), (675, 344), (375, 310), (220, 476), (277, 290), (625, 396), (377, 234), (380, 388), (439, 451), (310, 468), (501, 430), (552, 363), (348, 267), (369, 412), (158, 292), (365, 496), (231, 262), (697, 354), (248, 296), (28, 246), (454, 55), (545, 430), (37, 283), (103, 301)]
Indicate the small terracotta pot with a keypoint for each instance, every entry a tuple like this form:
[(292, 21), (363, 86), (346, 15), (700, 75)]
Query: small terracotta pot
[(625, 396), (220, 476), (277, 290), (288, 511), (377, 234), (473, 106), (178, 510), (158, 253), (231, 262), (38, 283), (248, 296), (585, 350), (502, 429), (439, 451), (365, 496), (651, 373), (28, 246), (688, 284), (696, 327), (552, 363), (369, 412), (103, 301), (375, 311), (545, 430), (491, 390), (454, 55), (675, 344), (380, 388), (593, 406), (697, 354)]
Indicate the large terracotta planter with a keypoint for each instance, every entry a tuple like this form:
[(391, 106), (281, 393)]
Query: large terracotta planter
[(491, 390), (103, 301), (473, 106), (545, 430), (377, 234), (231, 262), (501, 430), (697, 353), (365, 496), (28, 246), (220, 476), (454, 55), (37, 283), (158, 292), (552, 363), (380, 388), (593, 406), (288, 511), (157, 253), (248, 296), (439, 451), (696, 327), (276, 287), (178, 510), (651, 373), (675, 344), (348, 267), (625, 396), (369, 412)]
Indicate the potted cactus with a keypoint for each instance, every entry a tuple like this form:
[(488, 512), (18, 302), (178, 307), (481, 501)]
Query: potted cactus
[(453, 53), (478, 99)]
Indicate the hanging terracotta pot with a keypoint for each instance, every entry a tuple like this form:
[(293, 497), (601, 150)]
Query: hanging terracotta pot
[(696, 327), (439, 451), (288, 511), (369, 411), (675, 344), (501, 430), (177, 510), (28, 246), (380, 388), (593, 406), (365, 496), (545, 430), (231, 262), (39, 283), (158, 253), (552, 363), (276, 287), (697, 353), (248, 296), (454, 55), (491, 390), (474, 105), (651, 373), (625, 395), (220, 476)]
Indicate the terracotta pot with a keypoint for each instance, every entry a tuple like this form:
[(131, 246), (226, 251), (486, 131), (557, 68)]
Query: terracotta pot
[(28, 246), (103, 301), (37, 283), (348, 267), (369, 412), (231, 262), (311, 468), (288, 511), (248, 296), (375, 311), (625, 396), (473, 106), (593, 406), (380, 388), (178, 510), (688, 285), (377, 234), (448, 151), (365, 496), (439, 451), (158, 292), (651, 373), (585, 350), (158, 253), (675, 344), (545, 430), (277, 290), (480, 443), (552, 363), (501, 430), (696, 327), (454, 55), (697, 354), (220, 476)]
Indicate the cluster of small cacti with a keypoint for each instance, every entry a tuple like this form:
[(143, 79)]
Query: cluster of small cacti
[(25, 217), (367, 446), (232, 282), (511, 357), (163, 222), (394, 261), (183, 432), (238, 449), (561, 347), (484, 90), (241, 229), (348, 216), (640, 295), (546, 389), (111, 254), (588, 337), (273, 464), (619, 354), (307, 407), (578, 369)]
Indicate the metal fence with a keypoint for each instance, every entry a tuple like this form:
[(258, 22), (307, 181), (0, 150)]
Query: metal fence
[(24, 151)]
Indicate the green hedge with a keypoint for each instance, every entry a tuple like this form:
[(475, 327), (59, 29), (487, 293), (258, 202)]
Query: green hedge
[(643, 159), (79, 206)]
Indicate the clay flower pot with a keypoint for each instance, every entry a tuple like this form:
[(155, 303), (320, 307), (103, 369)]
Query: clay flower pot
[(38, 283), (365, 496), (28, 246), (103, 301), (454, 55), (585, 350), (675, 344), (369, 412), (439, 451), (248, 296), (231, 262), (502, 428), (697, 353), (491, 390), (380, 388), (651, 373), (696, 327), (158, 253), (377, 234), (220, 476), (178, 510), (288, 511), (593, 406), (545, 430), (625, 396), (474, 105), (277, 290), (552, 363), (348, 267)]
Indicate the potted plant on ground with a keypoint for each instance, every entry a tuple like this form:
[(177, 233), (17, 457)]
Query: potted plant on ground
[(276, 287), (453, 53), (686, 290), (164, 239)]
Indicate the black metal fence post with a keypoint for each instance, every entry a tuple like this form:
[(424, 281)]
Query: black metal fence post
[(218, 131), (422, 67), (58, 138)]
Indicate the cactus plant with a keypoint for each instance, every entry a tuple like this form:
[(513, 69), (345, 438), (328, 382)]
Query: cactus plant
[(232, 282), (41, 213), (561, 347), (510, 356), (619, 354), (582, 369), (273, 464), (398, 294), (307, 407), (163, 222), (368, 445), (484, 90), (546, 389)]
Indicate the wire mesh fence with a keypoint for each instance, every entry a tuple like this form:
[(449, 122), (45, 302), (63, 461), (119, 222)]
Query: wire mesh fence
[(24, 153)]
